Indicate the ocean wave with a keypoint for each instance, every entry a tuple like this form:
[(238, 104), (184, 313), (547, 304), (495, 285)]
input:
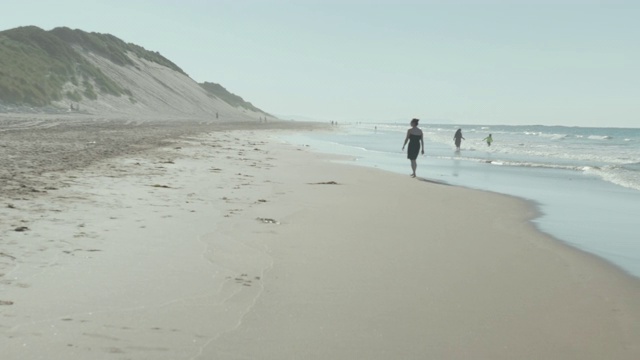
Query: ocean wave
[(627, 175), (551, 136), (525, 164), (546, 135), (539, 165), (619, 175), (599, 137)]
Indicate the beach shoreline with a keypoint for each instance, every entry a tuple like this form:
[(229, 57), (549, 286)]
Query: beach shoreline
[(231, 244), (578, 207)]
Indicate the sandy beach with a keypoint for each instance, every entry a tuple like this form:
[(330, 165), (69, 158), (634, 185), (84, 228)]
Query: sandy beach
[(172, 240)]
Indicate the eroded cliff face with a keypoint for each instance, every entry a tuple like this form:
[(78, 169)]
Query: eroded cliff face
[(72, 71), (156, 91)]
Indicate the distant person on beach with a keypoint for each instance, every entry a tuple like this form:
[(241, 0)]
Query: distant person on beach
[(458, 138), (488, 139), (415, 140)]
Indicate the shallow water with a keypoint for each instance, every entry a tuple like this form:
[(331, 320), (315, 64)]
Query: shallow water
[(585, 181)]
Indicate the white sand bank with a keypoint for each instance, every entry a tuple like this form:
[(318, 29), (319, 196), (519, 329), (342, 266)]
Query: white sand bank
[(172, 254)]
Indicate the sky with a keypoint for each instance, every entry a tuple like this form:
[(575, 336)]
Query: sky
[(514, 62)]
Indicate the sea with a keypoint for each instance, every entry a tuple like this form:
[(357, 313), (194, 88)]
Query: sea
[(584, 181)]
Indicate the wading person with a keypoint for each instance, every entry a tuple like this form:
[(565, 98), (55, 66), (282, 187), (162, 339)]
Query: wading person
[(457, 137), (488, 139)]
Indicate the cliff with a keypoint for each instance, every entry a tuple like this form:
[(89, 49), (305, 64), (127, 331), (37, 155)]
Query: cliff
[(69, 70)]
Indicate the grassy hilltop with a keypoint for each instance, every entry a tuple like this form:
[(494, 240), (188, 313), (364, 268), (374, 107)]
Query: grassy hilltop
[(38, 67), (35, 64), (220, 92)]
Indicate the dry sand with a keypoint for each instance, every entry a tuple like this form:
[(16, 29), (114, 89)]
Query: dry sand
[(193, 241)]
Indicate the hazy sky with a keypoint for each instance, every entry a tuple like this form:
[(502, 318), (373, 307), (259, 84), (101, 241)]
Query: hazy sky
[(563, 62)]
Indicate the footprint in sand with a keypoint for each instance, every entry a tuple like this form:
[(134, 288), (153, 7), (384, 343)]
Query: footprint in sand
[(8, 256), (244, 280), (267, 221)]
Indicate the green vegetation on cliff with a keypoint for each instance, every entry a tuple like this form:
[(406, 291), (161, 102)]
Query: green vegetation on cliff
[(223, 94), (111, 47), (36, 64)]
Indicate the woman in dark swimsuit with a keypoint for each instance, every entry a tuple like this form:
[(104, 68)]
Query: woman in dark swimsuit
[(416, 143)]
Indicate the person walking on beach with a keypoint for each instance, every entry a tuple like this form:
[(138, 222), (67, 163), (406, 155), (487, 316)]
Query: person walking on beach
[(458, 138), (416, 143), (488, 139)]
